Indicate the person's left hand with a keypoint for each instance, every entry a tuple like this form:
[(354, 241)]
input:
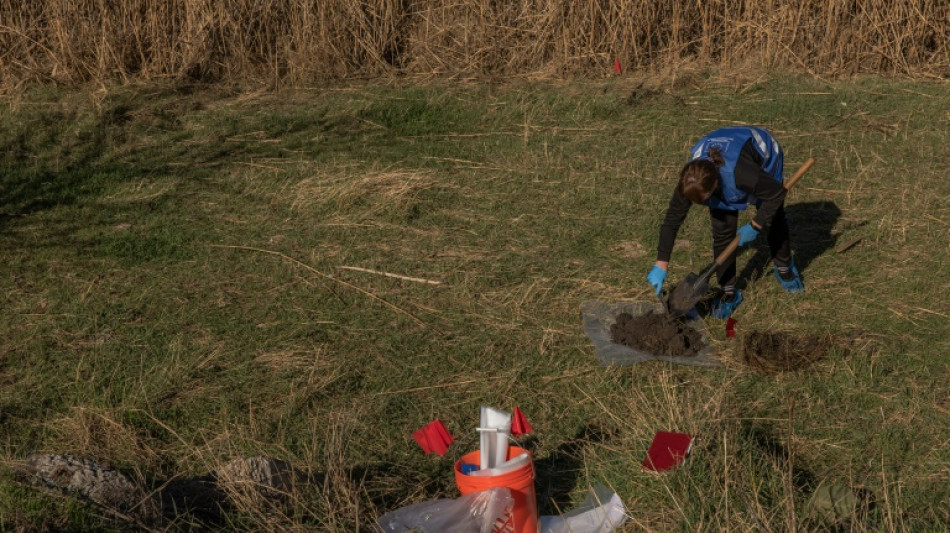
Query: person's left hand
[(747, 234)]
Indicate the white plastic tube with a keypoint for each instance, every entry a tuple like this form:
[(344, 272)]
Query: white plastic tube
[(494, 428)]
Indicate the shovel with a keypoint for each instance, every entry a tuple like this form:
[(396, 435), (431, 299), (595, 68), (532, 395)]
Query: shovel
[(692, 288)]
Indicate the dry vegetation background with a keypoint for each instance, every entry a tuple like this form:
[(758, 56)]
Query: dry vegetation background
[(295, 42)]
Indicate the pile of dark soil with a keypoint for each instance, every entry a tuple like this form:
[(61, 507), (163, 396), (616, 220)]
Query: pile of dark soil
[(773, 352), (656, 334)]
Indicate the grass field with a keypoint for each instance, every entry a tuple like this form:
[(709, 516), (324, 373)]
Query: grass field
[(175, 295)]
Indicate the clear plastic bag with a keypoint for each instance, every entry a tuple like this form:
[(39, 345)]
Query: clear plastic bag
[(479, 512), (598, 316), (601, 512)]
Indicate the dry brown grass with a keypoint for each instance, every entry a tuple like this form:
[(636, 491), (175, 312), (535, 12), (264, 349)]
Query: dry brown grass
[(293, 42), (393, 191), (101, 433)]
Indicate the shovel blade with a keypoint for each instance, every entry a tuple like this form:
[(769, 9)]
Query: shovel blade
[(687, 294)]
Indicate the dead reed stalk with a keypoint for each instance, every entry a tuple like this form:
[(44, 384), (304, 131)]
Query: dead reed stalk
[(285, 42)]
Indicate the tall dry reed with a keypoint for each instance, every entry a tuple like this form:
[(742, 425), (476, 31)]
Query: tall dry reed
[(300, 41)]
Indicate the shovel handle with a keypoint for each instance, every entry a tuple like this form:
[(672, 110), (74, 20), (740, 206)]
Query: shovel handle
[(799, 173), (721, 258)]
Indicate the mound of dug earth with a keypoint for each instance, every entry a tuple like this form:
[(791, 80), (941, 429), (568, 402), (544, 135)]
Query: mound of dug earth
[(771, 352), (656, 334)]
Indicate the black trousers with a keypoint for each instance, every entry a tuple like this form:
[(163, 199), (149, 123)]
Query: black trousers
[(724, 226)]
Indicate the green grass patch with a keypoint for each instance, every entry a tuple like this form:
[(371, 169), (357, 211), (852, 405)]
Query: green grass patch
[(179, 290)]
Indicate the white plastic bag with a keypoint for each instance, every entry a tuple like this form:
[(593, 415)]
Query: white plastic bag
[(601, 512), (478, 512)]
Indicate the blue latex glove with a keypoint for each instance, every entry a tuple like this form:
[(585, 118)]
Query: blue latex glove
[(656, 277), (747, 234)]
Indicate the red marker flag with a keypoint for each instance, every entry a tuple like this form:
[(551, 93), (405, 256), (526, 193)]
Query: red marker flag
[(617, 68), (519, 424), (434, 438), (731, 327), (667, 451)]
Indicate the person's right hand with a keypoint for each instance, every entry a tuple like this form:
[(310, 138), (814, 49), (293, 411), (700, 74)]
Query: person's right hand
[(656, 277)]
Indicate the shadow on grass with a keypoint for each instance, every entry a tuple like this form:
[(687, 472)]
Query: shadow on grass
[(57, 153), (72, 148), (201, 504), (765, 441), (64, 155), (390, 486), (810, 225), (556, 475), (35, 181), (851, 508), (197, 501)]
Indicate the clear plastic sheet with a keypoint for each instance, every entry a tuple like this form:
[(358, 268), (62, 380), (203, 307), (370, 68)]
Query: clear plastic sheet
[(598, 316), (601, 512), (479, 512)]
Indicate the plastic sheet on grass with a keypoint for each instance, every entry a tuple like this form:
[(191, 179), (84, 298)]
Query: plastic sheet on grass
[(478, 512), (598, 316), (601, 512)]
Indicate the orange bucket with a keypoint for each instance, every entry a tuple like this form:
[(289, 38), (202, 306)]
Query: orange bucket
[(520, 481)]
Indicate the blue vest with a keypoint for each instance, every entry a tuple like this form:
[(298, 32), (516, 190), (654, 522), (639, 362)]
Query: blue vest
[(730, 142)]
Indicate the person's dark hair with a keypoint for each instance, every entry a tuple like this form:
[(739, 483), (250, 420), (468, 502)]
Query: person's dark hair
[(700, 177)]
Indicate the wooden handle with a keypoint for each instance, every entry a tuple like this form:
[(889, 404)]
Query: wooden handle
[(799, 173), (721, 258), (734, 245)]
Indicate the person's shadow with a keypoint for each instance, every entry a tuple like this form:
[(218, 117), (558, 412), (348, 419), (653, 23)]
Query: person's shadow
[(810, 226)]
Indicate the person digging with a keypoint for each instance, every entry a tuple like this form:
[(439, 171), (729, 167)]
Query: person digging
[(729, 169)]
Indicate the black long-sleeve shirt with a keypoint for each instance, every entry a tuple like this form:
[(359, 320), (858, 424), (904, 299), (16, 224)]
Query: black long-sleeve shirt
[(750, 177)]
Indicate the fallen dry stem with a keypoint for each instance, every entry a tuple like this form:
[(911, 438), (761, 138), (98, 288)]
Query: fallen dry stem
[(390, 275), (327, 276)]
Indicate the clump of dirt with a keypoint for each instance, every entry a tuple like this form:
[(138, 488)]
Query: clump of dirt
[(683, 298), (656, 334), (773, 352)]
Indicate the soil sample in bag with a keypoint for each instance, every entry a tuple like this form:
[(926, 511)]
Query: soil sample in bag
[(656, 334)]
